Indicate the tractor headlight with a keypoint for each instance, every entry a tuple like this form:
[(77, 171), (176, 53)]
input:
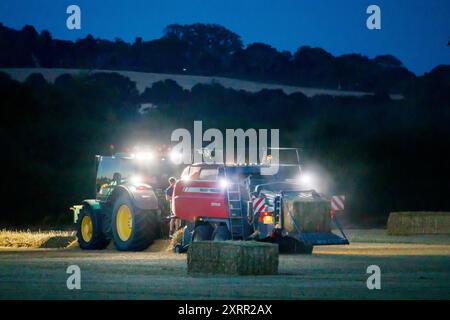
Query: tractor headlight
[(135, 180), (307, 180), (224, 183), (145, 156), (176, 157)]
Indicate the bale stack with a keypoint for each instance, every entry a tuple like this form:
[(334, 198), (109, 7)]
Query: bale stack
[(410, 223), (310, 215), (233, 258)]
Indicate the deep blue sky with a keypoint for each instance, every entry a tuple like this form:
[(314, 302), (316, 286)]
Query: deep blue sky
[(416, 31)]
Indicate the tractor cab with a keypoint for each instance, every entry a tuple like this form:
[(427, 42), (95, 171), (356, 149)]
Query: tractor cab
[(124, 169)]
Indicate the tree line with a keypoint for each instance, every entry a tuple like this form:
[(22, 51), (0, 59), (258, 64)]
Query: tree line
[(206, 49)]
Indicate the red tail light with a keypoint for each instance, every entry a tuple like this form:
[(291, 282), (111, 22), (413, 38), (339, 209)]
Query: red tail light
[(264, 214)]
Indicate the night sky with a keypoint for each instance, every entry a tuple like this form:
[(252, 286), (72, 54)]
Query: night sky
[(415, 31)]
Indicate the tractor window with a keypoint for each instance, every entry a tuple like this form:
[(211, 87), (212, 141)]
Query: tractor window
[(208, 174), (128, 168), (105, 171), (111, 170)]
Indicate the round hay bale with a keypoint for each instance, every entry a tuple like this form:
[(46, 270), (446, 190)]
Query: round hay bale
[(420, 222)]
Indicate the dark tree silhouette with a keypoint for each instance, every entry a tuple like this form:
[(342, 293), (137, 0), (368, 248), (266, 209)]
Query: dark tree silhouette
[(205, 49)]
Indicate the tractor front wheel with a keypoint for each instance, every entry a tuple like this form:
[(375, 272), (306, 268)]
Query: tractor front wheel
[(134, 229), (89, 231)]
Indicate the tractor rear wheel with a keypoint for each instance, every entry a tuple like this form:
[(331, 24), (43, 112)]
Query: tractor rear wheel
[(221, 233), (202, 232), (89, 230), (133, 229)]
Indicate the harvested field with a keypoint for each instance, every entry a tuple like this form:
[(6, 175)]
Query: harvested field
[(414, 270), (335, 272), (36, 239)]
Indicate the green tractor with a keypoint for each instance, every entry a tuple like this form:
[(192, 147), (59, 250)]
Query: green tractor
[(129, 207)]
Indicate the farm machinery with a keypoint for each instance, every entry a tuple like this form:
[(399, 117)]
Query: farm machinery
[(215, 202), (237, 202), (129, 207)]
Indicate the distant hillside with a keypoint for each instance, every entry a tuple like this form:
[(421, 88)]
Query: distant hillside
[(146, 80), (207, 50)]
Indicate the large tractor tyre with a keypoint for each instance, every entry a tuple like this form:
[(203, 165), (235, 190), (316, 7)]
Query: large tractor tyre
[(202, 232), (89, 230), (221, 233), (133, 229), (291, 245)]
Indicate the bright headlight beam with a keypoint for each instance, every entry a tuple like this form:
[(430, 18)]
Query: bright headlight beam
[(306, 178), (136, 180), (144, 156), (175, 157), (224, 183)]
